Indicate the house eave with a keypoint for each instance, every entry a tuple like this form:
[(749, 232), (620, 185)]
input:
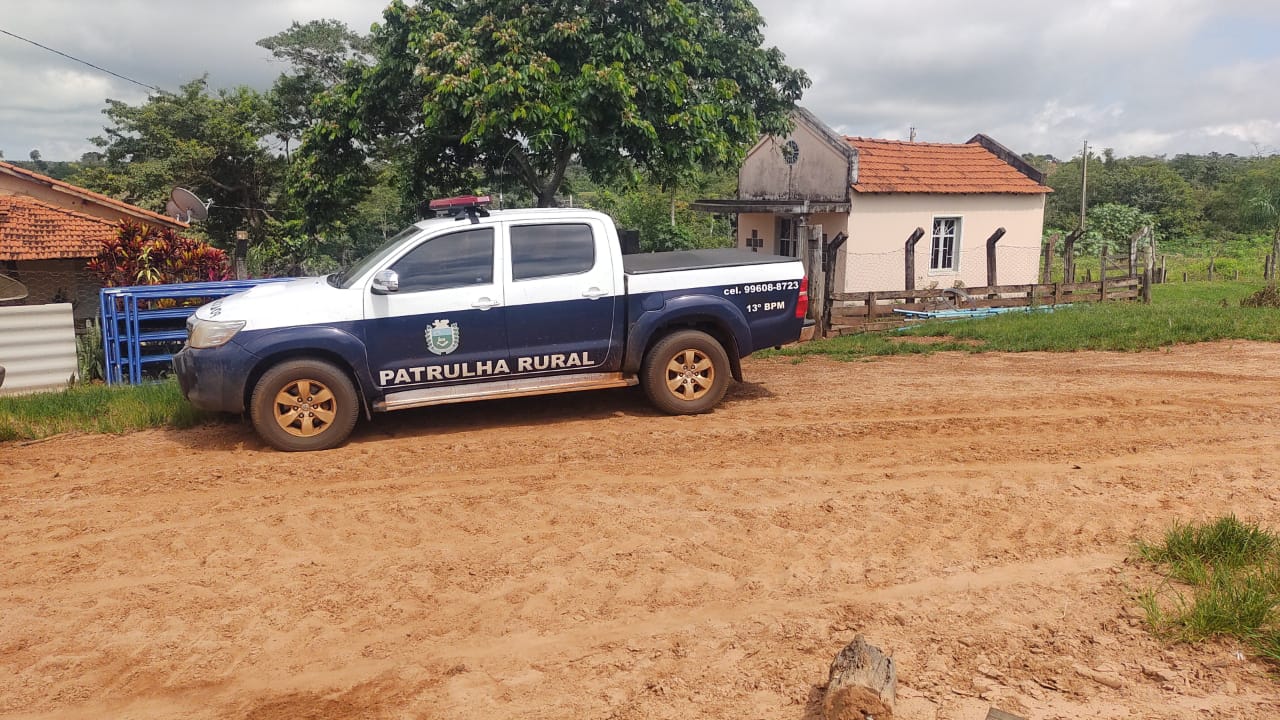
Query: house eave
[(779, 207)]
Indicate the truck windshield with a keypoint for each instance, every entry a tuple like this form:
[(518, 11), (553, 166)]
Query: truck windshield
[(345, 278)]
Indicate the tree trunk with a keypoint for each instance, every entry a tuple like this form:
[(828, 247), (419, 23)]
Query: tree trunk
[(863, 683)]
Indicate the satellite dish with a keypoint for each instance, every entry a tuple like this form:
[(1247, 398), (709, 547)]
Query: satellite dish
[(186, 206), (11, 289)]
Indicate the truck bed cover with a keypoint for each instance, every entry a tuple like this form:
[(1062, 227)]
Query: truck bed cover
[(646, 263)]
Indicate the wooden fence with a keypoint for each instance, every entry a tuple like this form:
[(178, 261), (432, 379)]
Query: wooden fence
[(1121, 277), (858, 312)]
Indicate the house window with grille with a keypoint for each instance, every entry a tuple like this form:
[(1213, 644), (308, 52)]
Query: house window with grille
[(755, 242), (946, 243), (787, 244)]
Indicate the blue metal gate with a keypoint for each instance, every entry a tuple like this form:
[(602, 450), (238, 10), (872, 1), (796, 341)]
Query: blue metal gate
[(135, 332)]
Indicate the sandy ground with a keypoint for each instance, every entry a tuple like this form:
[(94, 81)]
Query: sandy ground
[(582, 557)]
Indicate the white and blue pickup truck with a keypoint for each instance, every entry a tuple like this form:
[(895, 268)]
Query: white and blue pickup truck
[(478, 305)]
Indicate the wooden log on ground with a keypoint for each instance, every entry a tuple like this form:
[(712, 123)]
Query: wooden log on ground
[(862, 684)]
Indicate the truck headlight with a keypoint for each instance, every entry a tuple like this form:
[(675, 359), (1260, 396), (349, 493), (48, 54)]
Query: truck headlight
[(211, 334)]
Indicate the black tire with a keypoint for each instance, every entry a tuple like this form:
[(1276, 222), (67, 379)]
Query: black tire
[(685, 373), (324, 409)]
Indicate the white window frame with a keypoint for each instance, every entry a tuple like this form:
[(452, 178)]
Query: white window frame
[(957, 234)]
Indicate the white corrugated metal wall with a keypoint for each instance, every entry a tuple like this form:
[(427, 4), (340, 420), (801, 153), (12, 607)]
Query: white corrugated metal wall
[(37, 347)]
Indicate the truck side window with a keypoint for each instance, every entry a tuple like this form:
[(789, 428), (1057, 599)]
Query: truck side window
[(547, 250), (454, 260)]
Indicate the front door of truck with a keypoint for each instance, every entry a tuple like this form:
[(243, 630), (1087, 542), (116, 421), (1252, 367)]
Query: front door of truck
[(446, 323)]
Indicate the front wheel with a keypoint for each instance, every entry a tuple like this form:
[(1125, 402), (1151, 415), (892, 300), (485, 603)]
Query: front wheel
[(685, 373), (302, 405)]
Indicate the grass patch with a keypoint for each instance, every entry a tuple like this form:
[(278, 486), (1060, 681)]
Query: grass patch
[(96, 408), (1179, 313), (1222, 580)]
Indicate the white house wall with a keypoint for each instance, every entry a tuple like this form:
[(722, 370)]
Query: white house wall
[(879, 225), (821, 171)]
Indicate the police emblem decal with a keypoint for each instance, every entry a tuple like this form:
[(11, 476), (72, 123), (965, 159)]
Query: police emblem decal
[(443, 337)]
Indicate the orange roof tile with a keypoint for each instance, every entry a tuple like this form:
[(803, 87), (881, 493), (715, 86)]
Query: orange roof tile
[(889, 166), (35, 230), (142, 214)]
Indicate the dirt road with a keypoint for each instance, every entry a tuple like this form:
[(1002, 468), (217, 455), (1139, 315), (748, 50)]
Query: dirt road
[(581, 556)]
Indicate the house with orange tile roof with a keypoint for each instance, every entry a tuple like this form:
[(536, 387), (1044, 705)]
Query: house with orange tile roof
[(877, 193), (48, 231)]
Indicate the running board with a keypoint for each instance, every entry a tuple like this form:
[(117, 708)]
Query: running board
[(522, 387)]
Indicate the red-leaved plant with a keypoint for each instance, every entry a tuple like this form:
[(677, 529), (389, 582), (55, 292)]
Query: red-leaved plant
[(149, 255)]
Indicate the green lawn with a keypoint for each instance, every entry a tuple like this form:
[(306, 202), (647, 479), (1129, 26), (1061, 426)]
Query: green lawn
[(96, 408), (1178, 313)]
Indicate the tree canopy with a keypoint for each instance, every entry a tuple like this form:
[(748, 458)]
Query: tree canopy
[(206, 142), (317, 53), (521, 89)]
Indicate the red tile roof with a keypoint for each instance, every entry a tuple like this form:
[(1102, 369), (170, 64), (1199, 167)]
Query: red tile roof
[(893, 166), (141, 214), (35, 230)]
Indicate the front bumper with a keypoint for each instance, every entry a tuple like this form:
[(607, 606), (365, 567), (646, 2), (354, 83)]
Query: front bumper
[(214, 378)]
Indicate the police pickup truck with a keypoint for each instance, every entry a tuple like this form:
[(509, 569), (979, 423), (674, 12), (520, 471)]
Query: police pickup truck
[(474, 305)]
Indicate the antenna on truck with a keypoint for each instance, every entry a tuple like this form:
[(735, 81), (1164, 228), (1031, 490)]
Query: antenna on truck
[(463, 207)]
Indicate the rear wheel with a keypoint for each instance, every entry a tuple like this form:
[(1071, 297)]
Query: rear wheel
[(686, 373), (302, 405)]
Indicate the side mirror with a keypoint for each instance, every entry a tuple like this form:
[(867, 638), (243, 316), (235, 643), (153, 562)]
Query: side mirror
[(385, 282)]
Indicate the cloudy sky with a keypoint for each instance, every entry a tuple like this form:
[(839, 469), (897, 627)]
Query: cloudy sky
[(1139, 76)]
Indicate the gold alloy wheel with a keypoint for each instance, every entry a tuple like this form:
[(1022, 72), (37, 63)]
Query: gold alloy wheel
[(690, 374), (305, 408)]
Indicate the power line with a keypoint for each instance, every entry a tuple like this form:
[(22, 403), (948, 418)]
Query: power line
[(82, 62)]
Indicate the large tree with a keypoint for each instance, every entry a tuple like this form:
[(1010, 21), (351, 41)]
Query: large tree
[(317, 53), (518, 89), (209, 143)]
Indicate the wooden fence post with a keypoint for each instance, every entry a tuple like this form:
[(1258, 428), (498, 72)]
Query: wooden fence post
[(817, 280), (991, 256), (1102, 274), (829, 255), (1046, 275), (1069, 256), (871, 306), (1149, 271), (910, 260)]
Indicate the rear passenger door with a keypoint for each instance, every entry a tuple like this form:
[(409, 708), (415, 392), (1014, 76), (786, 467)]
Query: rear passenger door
[(561, 298)]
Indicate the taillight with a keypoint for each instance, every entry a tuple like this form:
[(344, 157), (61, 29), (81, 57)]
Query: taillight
[(802, 305)]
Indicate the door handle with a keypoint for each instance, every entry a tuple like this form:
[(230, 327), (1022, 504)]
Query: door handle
[(485, 303), (594, 293)]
